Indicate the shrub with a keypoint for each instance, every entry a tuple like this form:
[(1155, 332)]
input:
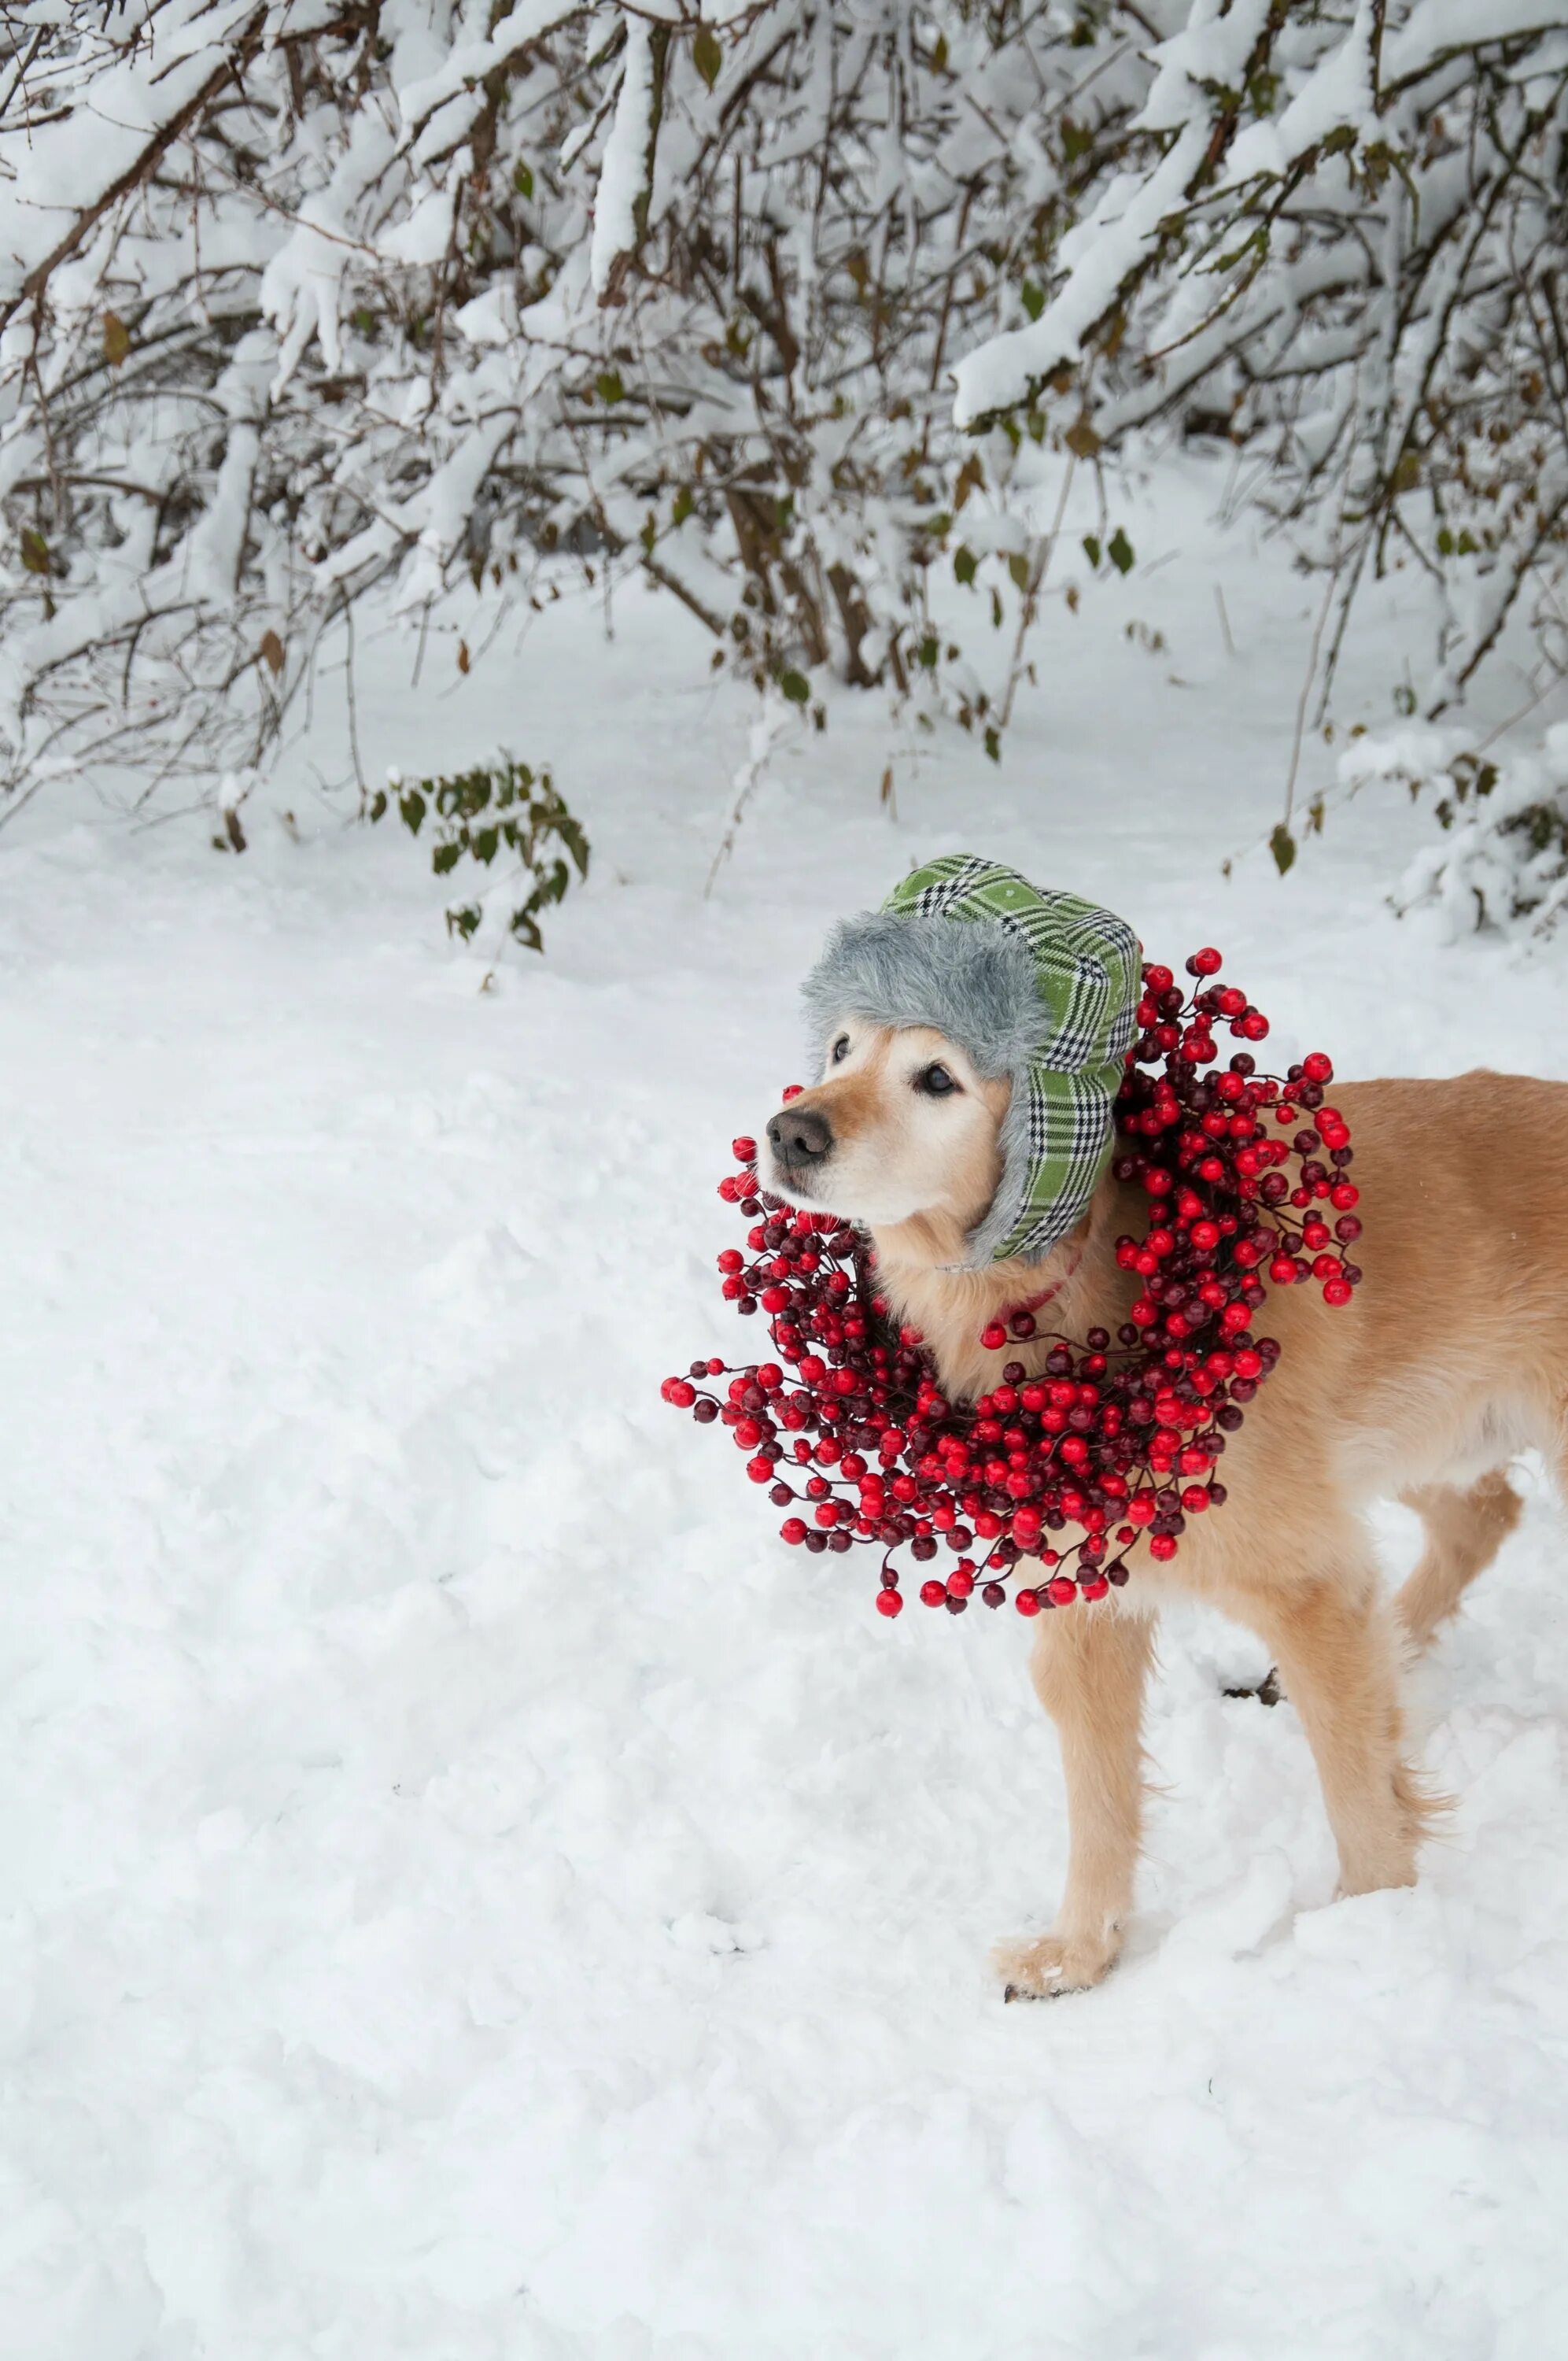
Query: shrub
[(495, 811)]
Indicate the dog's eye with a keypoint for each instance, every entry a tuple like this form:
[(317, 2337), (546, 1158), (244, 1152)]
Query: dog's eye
[(840, 1049), (936, 1082)]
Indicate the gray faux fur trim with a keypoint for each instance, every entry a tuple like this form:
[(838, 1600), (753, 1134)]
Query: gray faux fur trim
[(1002, 1213), (974, 982)]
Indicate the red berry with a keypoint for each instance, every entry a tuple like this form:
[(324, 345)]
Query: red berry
[(1207, 962), (933, 1594), (1027, 1602), (890, 1602), (994, 1335), (1337, 1291), (1162, 1545), (1062, 1589), (793, 1530)]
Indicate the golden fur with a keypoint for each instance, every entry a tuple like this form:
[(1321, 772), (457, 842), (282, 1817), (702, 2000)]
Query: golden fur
[(1451, 1358)]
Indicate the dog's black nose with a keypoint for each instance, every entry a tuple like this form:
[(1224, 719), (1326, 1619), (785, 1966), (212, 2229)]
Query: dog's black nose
[(800, 1139)]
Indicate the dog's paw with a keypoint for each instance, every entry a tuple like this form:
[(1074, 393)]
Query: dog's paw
[(1046, 1966)]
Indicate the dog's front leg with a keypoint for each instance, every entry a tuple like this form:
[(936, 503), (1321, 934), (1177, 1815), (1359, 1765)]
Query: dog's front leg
[(1090, 1665)]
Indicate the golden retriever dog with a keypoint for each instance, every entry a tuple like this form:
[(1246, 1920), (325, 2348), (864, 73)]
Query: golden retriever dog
[(1452, 1359)]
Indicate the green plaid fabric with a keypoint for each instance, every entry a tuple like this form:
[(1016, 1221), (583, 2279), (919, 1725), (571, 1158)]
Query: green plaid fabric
[(1089, 967)]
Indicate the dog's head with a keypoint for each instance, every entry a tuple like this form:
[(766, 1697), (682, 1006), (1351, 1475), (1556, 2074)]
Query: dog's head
[(901, 1124)]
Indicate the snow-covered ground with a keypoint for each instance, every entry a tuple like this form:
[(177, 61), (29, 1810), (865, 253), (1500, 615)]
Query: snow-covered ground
[(467, 1892)]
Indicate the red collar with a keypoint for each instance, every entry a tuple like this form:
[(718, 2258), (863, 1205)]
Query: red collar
[(1032, 1304)]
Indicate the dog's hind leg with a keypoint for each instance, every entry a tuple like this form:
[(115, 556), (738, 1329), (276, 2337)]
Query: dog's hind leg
[(1335, 1641), (1089, 1667), (1465, 1532)]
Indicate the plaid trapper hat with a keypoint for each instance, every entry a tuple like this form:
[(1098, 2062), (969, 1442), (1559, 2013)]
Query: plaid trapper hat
[(1033, 984)]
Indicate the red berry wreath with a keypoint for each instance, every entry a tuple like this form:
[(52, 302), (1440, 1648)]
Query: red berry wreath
[(1111, 1438)]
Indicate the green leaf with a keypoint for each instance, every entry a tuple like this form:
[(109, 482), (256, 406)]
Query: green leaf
[(378, 809), (523, 179), (445, 857), (964, 566), (1091, 548), (1120, 552), (487, 844), (609, 387), (35, 551), (1032, 298), (707, 54), (929, 651), (1018, 567), (413, 807), (993, 744), (522, 924), (684, 505), (1282, 844), (795, 687), (575, 842), (464, 920)]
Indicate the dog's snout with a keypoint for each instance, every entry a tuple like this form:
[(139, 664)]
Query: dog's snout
[(800, 1138)]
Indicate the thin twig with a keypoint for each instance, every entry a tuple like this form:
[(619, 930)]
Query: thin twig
[(1306, 693), (1224, 622)]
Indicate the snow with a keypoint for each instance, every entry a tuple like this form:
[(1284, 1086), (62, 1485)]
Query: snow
[(624, 171), (469, 1894)]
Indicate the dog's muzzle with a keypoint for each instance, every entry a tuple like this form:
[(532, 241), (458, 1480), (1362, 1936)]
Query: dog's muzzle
[(801, 1142)]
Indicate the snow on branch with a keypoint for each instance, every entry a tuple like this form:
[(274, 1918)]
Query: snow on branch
[(1344, 243), (301, 299), (305, 299)]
